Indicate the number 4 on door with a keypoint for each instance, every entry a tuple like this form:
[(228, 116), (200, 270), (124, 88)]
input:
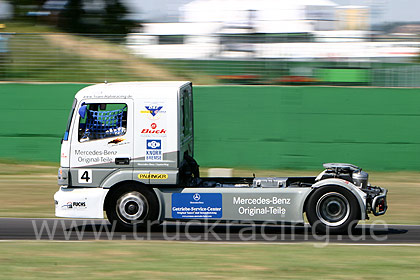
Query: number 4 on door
[(85, 176)]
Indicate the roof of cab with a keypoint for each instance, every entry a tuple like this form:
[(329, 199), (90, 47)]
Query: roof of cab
[(125, 88)]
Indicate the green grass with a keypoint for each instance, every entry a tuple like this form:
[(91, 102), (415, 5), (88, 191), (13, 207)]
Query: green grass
[(28, 190), (178, 260), (26, 27), (35, 56)]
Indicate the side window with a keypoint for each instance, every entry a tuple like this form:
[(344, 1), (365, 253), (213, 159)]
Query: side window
[(183, 115), (102, 120), (186, 114)]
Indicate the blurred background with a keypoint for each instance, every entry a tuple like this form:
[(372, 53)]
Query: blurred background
[(332, 80), (270, 42)]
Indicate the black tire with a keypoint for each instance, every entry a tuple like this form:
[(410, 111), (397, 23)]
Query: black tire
[(332, 209), (131, 205)]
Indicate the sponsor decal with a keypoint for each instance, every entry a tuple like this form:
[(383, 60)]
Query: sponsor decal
[(153, 111), (107, 96), (69, 205), (75, 204), (79, 204), (154, 144), (153, 150), (152, 164), (153, 130), (94, 156), (153, 176), (261, 200), (116, 141), (251, 206), (197, 205)]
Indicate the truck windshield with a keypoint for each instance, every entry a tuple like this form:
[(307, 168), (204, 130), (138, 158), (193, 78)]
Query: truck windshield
[(66, 134)]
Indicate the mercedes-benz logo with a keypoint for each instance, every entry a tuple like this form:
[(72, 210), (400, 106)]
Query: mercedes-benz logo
[(196, 197)]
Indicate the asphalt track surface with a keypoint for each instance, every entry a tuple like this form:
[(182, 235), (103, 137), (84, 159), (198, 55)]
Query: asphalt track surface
[(85, 230)]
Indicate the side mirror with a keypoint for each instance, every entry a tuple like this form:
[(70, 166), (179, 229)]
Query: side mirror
[(82, 111)]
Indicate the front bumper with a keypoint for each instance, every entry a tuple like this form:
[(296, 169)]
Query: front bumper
[(80, 202), (379, 203)]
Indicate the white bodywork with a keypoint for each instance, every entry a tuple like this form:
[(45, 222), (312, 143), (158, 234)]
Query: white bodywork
[(80, 203)]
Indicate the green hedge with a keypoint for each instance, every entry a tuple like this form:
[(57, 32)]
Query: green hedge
[(263, 127)]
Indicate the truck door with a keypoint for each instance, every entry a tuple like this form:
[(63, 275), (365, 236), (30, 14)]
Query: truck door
[(155, 154), (101, 142)]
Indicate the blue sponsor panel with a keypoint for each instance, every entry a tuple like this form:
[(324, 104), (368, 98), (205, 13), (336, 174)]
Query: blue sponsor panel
[(154, 144), (197, 205), (153, 150)]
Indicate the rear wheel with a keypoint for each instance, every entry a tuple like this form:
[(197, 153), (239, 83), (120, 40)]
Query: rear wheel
[(132, 206), (332, 209)]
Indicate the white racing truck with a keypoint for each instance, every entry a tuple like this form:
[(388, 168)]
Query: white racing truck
[(128, 150)]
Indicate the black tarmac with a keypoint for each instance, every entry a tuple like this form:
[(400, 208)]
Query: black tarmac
[(196, 231)]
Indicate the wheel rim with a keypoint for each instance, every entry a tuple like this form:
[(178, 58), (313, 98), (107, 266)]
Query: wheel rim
[(333, 209), (132, 207)]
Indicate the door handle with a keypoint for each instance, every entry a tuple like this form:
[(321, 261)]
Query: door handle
[(122, 161)]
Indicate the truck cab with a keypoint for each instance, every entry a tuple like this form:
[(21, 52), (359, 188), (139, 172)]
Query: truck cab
[(128, 131)]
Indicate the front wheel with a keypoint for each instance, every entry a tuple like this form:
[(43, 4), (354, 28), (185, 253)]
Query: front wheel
[(332, 209), (132, 206)]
